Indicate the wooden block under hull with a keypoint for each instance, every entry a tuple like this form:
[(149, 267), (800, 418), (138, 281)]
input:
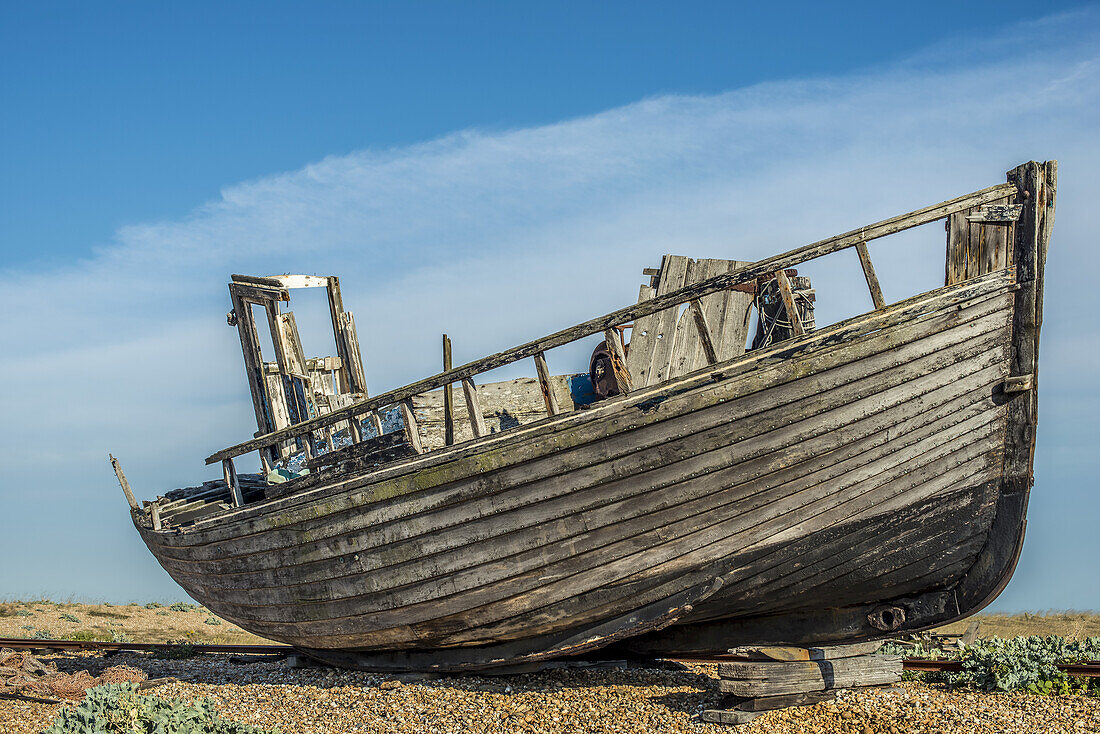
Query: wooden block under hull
[(774, 678)]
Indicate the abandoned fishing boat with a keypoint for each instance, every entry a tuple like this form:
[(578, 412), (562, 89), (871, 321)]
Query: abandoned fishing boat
[(827, 484)]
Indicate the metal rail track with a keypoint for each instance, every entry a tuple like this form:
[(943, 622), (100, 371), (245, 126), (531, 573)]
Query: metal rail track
[(1090, 669), (24, 644)]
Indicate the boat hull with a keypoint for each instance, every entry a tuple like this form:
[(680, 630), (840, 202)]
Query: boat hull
[(840, 486)]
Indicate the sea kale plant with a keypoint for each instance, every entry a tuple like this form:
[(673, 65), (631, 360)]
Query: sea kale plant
[(1014, 664), (119, 709)]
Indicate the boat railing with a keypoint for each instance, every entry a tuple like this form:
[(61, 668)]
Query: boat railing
[(608, 325)]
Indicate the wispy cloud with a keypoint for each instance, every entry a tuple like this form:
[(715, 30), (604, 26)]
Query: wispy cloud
[(496, 237)]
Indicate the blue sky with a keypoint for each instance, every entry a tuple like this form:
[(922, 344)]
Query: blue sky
[(149, 151)]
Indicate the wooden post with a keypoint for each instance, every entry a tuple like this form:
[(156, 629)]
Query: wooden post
[(265, 461), (548, 396), (869, 275), (788, 303), (123, 483), (376, 422), (230, 474), (154, 514), (411, 429), (355, 430), (706, 339), (448, 397), (613, 339), (473, 406)]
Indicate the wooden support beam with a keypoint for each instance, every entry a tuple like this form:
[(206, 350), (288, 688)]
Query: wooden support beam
[(448, 397), (154, 515), (613, 338), (869, 275), (231, 481), (706, 338), (548, 396), (376, 422), (123, 483), (411, 429), (473, 406), (789, 305), (728, 280), (355, 429)]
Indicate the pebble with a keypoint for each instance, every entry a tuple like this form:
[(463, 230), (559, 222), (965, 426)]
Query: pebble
[(596, 701)]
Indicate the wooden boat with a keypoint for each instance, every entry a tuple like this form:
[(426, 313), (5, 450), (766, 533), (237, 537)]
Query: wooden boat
[(849, 482)]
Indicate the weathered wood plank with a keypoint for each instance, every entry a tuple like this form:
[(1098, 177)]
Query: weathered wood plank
[(996, 213), (724, 716), (448, 397), (705, 338), (473, 407), (122, 482), (776, 678), (230, 474), (613, 339), (652, 337), (772, 703), (869, 275), (659, 303), (787, 294), (543, 372), (793, 654), (412, 432)]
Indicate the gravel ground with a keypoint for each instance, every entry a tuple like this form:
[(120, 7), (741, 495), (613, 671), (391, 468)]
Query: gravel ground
[(326, 701)]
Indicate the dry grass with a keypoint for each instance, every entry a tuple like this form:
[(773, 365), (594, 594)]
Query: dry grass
[(1069, 624), (133, 622)]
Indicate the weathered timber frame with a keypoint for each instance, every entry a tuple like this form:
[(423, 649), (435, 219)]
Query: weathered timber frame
[(290, 362), (609, 324)]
